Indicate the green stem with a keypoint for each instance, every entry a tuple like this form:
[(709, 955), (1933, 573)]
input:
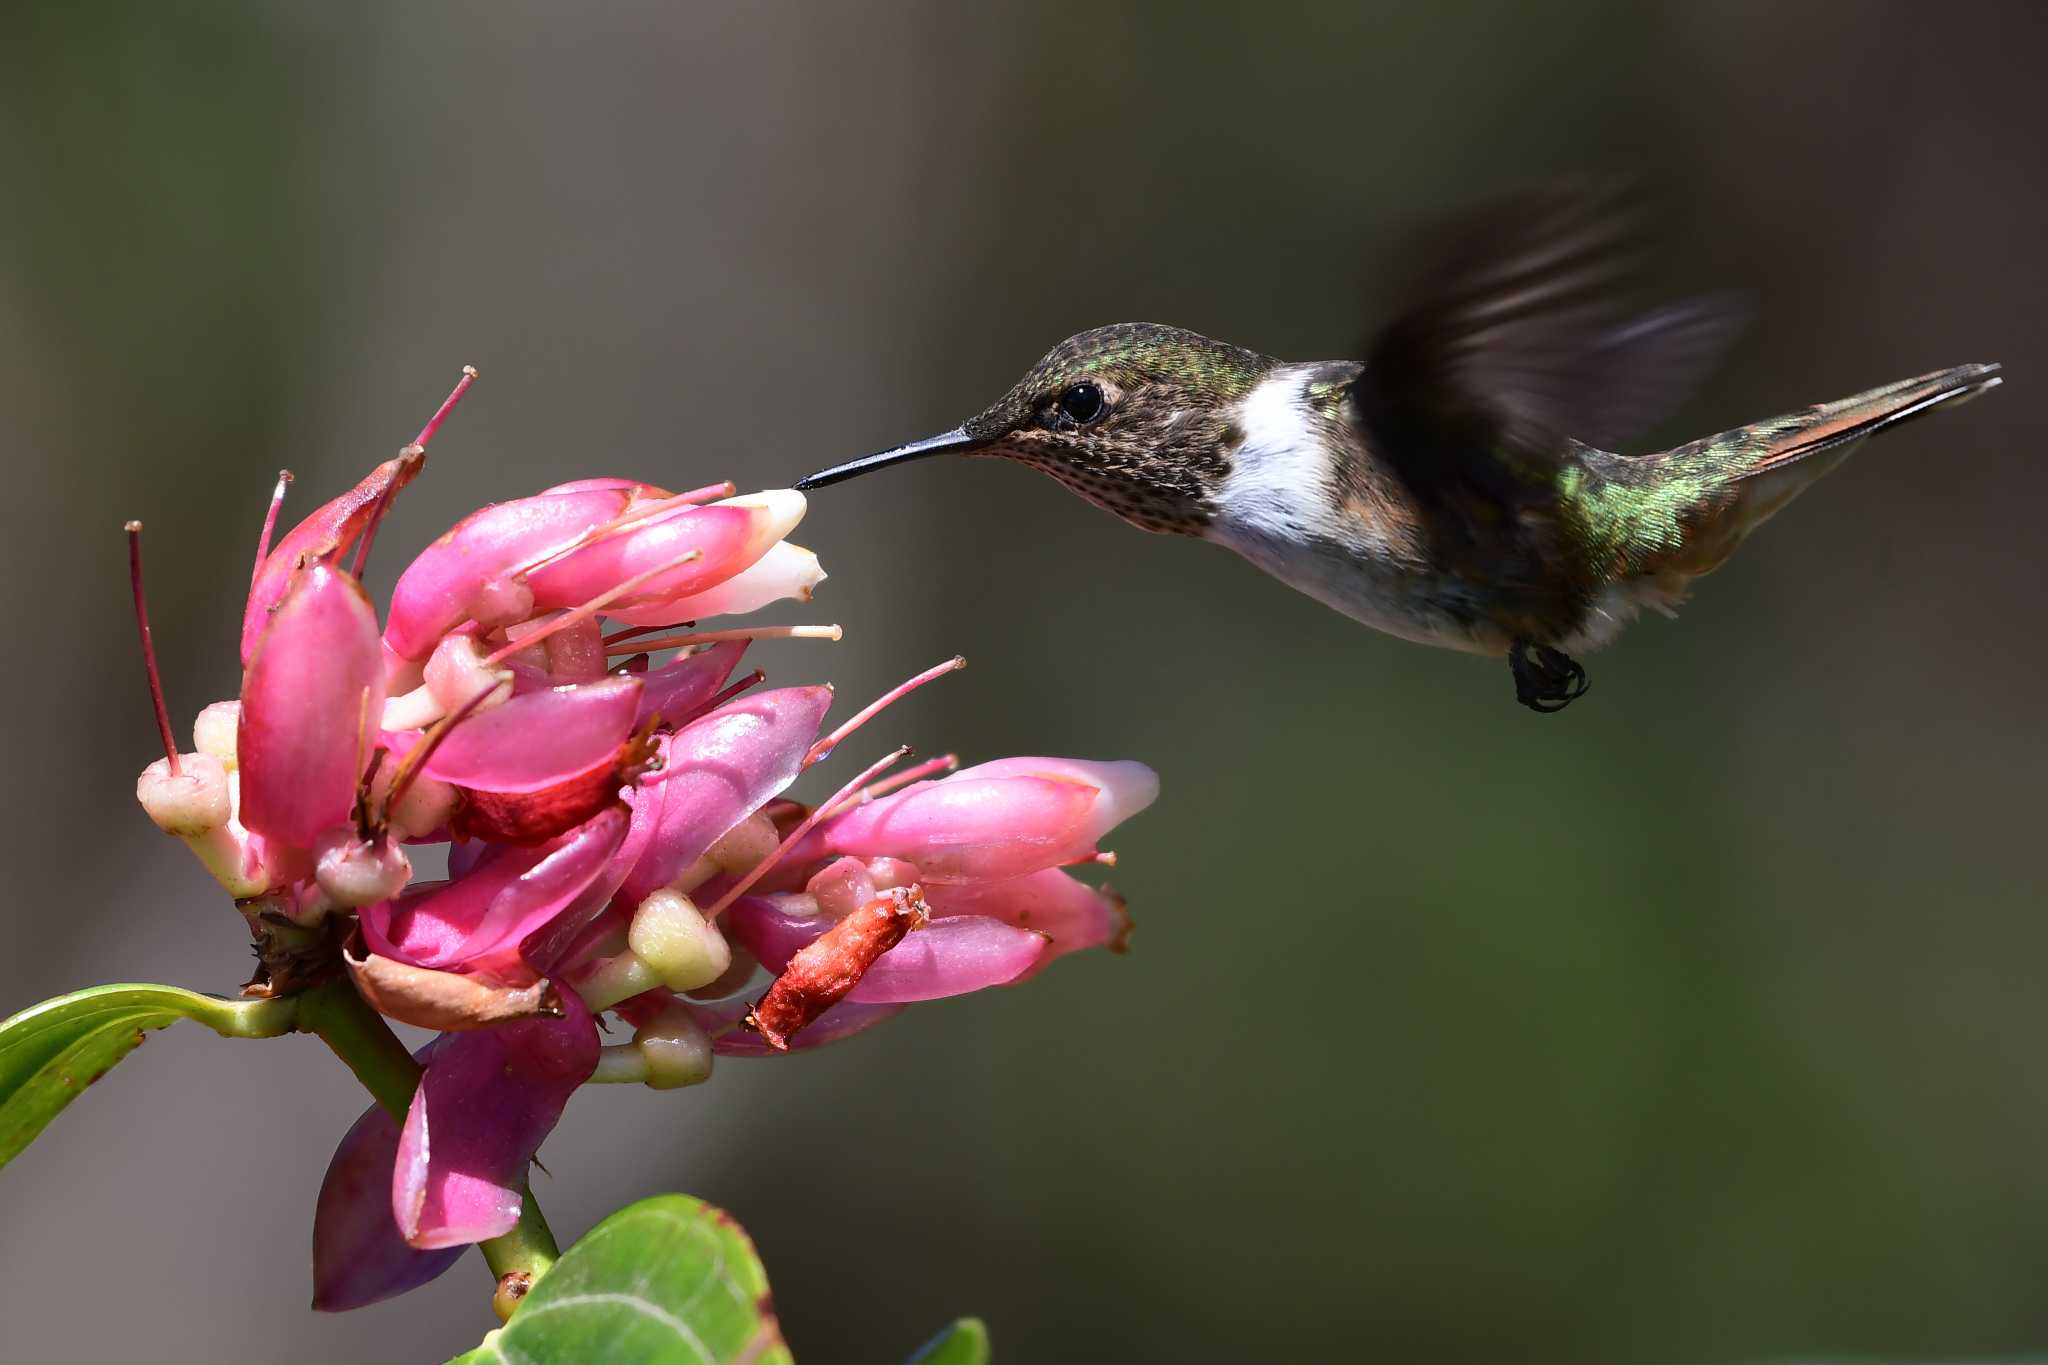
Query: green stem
[(366, 1045), (529, 1247), (272, 1018)]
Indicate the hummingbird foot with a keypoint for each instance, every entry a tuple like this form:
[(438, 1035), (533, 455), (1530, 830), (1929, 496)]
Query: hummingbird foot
[(1546, 679)]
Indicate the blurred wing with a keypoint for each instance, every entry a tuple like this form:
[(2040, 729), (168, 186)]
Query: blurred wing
[(1520, 342)]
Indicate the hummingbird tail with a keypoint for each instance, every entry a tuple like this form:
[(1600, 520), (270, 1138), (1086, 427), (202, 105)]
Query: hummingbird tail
[(1784, 440), (1728, 485)]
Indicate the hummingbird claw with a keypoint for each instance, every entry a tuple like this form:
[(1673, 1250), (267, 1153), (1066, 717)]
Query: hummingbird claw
[(1546, 679)]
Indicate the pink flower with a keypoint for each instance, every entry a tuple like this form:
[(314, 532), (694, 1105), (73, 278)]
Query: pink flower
[(618, 838)]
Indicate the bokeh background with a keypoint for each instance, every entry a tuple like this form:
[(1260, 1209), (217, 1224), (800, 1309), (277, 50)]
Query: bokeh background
[(1700, 1024)]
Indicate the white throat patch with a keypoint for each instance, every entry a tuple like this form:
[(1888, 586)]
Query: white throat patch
[(1280, 480)]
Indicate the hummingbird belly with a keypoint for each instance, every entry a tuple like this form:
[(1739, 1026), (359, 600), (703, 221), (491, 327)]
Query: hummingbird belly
[(1402, 599)]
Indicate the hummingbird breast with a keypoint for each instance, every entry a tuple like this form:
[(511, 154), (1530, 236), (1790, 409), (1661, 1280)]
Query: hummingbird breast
[(1303, 500)]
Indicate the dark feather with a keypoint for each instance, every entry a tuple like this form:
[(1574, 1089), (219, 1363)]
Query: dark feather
[(1523, 339)]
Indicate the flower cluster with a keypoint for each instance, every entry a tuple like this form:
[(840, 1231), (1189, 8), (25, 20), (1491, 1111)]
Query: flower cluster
[(617, 836)]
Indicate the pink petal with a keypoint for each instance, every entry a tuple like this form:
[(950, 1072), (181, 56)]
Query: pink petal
[(640, 491), (323, 537), (727, 537), (555, 942), (359, 1256), (978, 829), (540, 738), (675, 692), (316, 673), (438, 589), (1072, 913), (730, 1038), (485, 1103), (478, 920), (948, 957), (721, 768), (786, 571), (1127, 786)]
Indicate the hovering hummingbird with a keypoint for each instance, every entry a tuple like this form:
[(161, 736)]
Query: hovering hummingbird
[(1456, 487)]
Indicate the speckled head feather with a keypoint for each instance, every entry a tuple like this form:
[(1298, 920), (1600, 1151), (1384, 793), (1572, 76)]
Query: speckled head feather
[(1158, 449)]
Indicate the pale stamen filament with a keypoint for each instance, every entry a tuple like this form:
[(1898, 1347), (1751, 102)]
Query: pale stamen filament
[(447, 406), (284, 478), (713, 637), (944, 763), (878, 705)]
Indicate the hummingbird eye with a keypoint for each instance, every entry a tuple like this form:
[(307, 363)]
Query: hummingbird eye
[(1081, 403)]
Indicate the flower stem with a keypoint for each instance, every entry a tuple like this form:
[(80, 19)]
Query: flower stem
[(365, 1043)]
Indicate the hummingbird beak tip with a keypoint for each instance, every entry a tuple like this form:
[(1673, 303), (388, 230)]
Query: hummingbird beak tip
[(954, 440)]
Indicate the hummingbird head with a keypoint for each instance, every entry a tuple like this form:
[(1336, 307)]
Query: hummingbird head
[(1139, 419)]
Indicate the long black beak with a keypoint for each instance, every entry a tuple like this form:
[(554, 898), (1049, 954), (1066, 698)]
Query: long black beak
[(956, 439)]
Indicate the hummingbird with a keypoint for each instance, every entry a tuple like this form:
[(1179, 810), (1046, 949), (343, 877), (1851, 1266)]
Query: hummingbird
[(1458, 485)]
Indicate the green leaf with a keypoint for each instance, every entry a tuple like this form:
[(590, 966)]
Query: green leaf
[(964, 1343), (52, 1051), (667, 1281)]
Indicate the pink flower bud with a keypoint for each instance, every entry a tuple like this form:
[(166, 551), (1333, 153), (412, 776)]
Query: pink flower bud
[(312, 695), (441, 588), (726, 538), (321, 538), (359, 1256), (786, 572), (1073, 914), (356, 872), (190, 802)]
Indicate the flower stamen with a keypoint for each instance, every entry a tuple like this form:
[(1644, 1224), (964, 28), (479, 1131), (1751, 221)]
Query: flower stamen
[(944, 763), (624, 588), (714, 637), (874, 708), (447, 406), (156, 682), (284, 478), (803, 827)]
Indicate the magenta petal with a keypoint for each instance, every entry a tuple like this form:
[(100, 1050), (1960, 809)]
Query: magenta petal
[(551, 944), (673, 693), (1126, 786), (317, 672), (359, 1257), (980, 829), (323, 536), (721, 768), (729, 1038), (437, 590), (721, 537), (509, 894), (948, 957), (540, 738), (484, 1105), (1072, 913)]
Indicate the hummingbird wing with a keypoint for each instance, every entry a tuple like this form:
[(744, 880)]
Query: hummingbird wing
[(1519, 345)]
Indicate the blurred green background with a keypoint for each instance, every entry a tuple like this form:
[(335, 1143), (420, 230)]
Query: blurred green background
[(1699, 1024)]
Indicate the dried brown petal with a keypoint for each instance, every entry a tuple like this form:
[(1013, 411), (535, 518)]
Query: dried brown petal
[(447, 1002), (821, 973)]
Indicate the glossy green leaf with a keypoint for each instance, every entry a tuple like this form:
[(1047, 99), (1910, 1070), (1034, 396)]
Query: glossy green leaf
[(667, 1281), (52, 1051), (964, 1343)]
